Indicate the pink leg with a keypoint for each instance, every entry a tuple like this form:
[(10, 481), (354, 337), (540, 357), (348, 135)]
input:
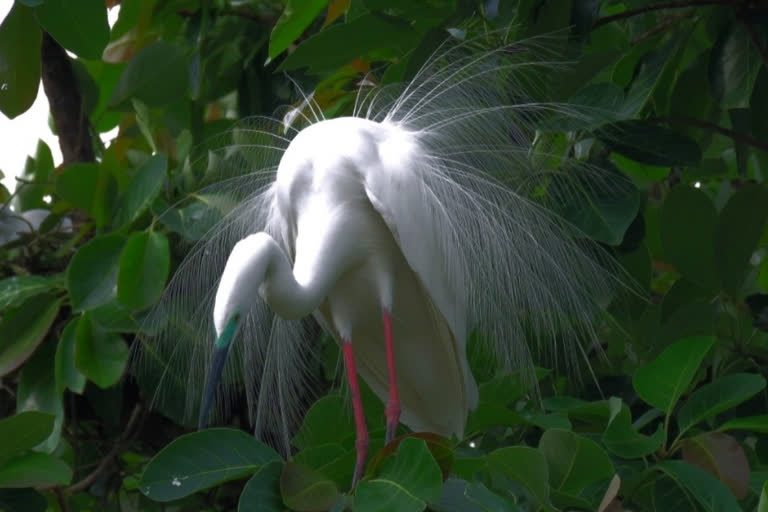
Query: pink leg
[(361, 443), (393, 405)]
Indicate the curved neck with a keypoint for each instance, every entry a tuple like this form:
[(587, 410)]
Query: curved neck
[(287, 297)]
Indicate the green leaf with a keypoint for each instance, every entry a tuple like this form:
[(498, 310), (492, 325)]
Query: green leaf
[(37, 392), (326, 422), (92, 272), (144, 267), (626, 442), (40, 170), (718, 396), (101, 356), (17, 289), (26, 429), (751, 423), (526, 466), (738, 232), (67, 374), (203, 459), (22, 500), (158, 75), (407, 481), (711, 494), (590, 108), (262, 492), (20, 42), (688, 233), (762, 506), (488, 501), (733, 67), (34, 470), (23, 328), (662, 382), (574, 462), (144, 188), (294, 20), (650, 143), (306, 490), (82, 29), (332, 460), (603, 208), (648, 75), (340, 44), (722, 456), (87, 187)]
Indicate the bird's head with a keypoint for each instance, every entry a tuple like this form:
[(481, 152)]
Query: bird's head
[(235, 296)]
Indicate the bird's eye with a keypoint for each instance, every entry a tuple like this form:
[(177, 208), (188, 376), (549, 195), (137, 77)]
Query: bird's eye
[(236, 317)]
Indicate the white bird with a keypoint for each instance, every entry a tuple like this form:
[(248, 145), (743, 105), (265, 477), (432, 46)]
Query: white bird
[(398, 230)]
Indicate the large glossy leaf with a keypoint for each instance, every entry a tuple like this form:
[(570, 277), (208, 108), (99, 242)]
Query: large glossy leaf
[(23, 328), (663, 381), (201, 460), (650, 143), (325, 422), (143, 189), (144, 267), (87, 187), (66, 372), (82, 30), (406, 482), (718, 396), (574, 462), (739, 230), (332, 460), (751, 423), (262, 492), (621, 439), (687, 234), (295, 18), (34, 470), (711, 494), (20, 41), (37, 392), (99, 355), (17, 289), (157, 75), (340, 44), (723, 457), (27, 429), (92, 272), (305, 490), (733, 66), (525, 466)]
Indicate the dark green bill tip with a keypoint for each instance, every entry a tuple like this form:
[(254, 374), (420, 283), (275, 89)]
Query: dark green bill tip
[(220, 352)]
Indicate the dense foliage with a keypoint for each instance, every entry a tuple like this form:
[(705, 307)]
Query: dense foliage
[(679, 421)]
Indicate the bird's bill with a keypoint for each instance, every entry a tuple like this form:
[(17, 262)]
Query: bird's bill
[(220, 352)]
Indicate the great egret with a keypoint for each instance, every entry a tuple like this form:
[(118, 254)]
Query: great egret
[(422, 215)]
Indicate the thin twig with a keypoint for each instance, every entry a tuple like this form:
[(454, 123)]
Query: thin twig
[(668, 23), (108, 459), (657, 7), (737, 136)]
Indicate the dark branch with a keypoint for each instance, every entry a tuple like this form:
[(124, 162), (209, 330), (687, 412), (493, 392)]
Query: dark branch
[(706, 125), (108, 459), (61, 88), (657, 7)]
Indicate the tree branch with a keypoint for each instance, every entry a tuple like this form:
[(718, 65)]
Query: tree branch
[(737, 136), (61, 88), (657, 7), (108, 459)]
